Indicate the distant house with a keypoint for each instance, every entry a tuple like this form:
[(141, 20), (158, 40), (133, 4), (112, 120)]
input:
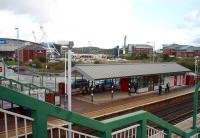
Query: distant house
[(140, 49), (29, 53), (175, 50)]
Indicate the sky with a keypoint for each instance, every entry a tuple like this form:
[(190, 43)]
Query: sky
[(103, 23)]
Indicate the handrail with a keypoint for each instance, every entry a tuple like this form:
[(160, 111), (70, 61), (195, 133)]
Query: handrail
[(124, 120), (49, 109), (15, 114), (30, 85), (42, 110)]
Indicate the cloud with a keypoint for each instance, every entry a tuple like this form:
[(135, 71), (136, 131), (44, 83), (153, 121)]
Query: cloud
[(191, 26), (193, 16), (197, 40), (38, 10)]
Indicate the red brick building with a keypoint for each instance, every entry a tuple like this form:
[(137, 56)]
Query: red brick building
[(29, 53), (169, 51), (140, 49), (184, 54), (175, 50)]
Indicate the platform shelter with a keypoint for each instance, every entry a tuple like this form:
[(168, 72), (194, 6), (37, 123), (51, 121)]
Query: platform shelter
[(124, 77)]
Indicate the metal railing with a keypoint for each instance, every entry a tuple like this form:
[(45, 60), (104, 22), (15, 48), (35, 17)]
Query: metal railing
[(28, 89), (54, 130), (195, 135), (154, 133), (7, 115), (128, 132), (66, 132)]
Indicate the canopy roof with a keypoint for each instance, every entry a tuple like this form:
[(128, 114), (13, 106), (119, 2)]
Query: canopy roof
[(106, 71)]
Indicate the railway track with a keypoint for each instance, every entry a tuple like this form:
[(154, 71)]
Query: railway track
[(173, 110)]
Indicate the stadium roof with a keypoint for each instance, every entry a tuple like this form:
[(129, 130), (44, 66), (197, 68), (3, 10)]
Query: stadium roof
[(106, 71)]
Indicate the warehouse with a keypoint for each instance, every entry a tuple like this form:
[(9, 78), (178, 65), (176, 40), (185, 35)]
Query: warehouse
[(9, 45)]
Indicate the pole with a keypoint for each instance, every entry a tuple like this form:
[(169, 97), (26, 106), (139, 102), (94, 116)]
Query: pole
[(153, 52), (69, 80), (42, 80), (4, 69), (17, 52), (55, 83), (69, 87), (195, 104), (65, 101)]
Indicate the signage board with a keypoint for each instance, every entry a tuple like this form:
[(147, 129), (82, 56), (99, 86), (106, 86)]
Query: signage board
[(3, 42), (7, 105), (57, 100), (41, 96)]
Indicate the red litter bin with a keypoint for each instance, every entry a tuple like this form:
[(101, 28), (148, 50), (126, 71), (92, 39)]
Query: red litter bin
[(61, 87)]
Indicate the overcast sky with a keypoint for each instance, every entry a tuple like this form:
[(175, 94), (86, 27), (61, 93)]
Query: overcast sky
[(103, 23)]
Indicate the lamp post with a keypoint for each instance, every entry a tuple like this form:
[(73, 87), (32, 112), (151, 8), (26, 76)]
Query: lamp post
[(196, 65), (17, 29), (69, 45), (153, 50), (195, 104)]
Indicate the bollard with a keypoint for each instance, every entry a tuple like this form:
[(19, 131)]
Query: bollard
[(92, 97), (129, 91), (55, 84), (112, 92)]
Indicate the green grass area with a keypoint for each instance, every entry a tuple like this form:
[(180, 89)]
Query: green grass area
[(11, 62)]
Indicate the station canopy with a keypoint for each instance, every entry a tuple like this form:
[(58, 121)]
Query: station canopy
[(108, 71)]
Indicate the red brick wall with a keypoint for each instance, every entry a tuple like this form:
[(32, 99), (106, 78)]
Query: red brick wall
[(197, 53), (169, 51), (184, 54), (26, 55), (147, 51)]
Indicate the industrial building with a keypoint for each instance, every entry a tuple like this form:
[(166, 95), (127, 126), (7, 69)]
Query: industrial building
[(140, 49), (176, 50), (29, 53), (9, 45)]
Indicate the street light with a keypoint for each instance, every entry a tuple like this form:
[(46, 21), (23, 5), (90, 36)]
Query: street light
[(153, 49), (17, 29), (196, 93), (69, 45), (196, 66)]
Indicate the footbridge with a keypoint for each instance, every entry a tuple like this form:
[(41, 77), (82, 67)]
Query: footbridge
[(132, 125)]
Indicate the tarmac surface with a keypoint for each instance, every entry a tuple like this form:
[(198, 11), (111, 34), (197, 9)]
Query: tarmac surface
[(102, 101)]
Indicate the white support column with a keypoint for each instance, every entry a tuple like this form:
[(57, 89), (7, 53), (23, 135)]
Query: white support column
[(69, 87), (65, 100)]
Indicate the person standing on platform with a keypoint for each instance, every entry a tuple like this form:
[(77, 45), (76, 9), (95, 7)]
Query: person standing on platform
[(135, 85), (167, 87), (160, 89)]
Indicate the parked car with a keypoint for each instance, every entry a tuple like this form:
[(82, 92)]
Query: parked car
[(79, 83)]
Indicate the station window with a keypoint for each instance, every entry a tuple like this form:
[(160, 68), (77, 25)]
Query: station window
[(142, 81)]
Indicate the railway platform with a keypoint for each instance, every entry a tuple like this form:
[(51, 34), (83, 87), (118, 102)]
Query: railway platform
[(186, 124), (122, 101)]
